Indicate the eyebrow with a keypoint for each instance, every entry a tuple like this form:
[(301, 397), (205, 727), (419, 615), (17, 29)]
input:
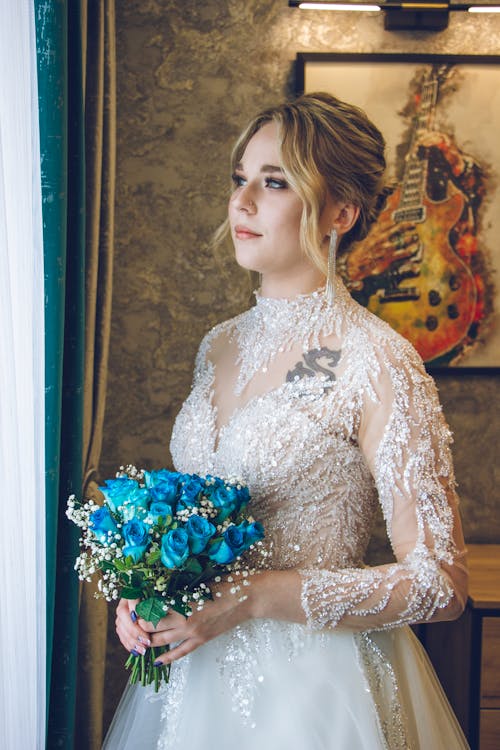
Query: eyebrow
[(264, 169)]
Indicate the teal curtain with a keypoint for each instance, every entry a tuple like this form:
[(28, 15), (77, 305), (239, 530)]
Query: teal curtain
[(60, 91)]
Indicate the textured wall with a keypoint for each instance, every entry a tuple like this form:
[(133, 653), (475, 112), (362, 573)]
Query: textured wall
[(189, 75)]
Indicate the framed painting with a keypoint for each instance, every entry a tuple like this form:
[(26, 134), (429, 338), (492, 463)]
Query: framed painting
[(430, 265)]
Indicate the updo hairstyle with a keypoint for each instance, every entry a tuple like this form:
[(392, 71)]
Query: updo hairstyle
[(326, 146)]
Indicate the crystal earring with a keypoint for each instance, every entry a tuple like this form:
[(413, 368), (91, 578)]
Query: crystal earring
[(332, 261)]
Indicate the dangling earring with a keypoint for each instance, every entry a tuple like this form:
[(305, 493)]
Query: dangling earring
[(332, 261)]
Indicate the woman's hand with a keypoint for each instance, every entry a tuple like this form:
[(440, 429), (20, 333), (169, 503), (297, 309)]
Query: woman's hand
[(132, 636), (213, 617), (272, 593), (208, 620)]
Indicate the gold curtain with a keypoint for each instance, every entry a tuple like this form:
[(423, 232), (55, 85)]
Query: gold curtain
[(99, 82)]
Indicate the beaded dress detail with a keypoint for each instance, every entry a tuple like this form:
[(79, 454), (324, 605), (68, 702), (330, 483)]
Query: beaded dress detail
[(331, 413)]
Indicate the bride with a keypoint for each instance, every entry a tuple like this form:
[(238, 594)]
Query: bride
[(324, 411)]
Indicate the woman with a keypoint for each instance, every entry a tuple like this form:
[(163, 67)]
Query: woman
[(324, 411)]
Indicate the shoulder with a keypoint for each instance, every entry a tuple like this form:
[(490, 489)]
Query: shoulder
[(382, 359), (377, 336)]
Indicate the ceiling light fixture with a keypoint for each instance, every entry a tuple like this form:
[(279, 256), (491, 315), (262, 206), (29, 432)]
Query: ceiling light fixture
[(417, 14)]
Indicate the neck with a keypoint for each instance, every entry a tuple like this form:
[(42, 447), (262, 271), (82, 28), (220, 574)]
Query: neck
[(288, 288)]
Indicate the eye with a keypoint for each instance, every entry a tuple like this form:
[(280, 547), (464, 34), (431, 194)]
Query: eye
[(238, 180), (275, 183)]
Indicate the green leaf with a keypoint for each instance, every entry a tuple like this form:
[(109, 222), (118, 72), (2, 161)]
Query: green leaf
[(137, 579), (183, 582), (151, 610), (153, 557), (106, 565), (193, 566), (131, 592), (121, 565), (181, 608), (164, 521)]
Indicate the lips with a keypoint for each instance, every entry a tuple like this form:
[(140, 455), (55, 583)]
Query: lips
[(242, 232)]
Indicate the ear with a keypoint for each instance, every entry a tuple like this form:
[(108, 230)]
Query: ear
[(337, 215), (343, 217)]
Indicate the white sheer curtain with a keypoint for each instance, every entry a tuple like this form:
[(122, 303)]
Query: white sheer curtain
[(22, 477)]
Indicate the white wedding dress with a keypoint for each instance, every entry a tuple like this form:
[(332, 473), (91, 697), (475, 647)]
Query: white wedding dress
[(333, 413)]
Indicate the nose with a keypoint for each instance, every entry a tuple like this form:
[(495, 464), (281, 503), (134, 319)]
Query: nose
[(243, 200)]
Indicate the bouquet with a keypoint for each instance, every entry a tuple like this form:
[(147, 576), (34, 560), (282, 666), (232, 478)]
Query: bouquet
[(161, 537)]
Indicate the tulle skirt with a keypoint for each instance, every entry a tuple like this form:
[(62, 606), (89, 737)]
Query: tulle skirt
[(270, 685)]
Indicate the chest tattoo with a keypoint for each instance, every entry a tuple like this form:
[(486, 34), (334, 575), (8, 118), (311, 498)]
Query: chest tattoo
[(322, 361)]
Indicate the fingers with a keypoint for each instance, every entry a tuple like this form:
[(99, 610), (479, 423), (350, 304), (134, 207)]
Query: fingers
[(146, 626), (184, 648), (132, 637), (131, 640), (171, 620), (171, 629), (130, 603), (401, 243), (404, 227), (405, 246)]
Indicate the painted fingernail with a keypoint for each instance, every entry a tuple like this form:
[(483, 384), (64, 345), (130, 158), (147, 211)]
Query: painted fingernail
[(146, 641), (134, 652), (158, 663), (133, 616)]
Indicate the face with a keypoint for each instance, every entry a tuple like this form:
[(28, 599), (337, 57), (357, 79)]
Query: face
[(265, 213)]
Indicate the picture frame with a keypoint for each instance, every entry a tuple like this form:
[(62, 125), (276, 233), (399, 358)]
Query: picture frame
[(437, 280)]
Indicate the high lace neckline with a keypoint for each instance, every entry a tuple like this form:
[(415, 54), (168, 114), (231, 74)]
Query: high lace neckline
[(296, 299), (275, 324)]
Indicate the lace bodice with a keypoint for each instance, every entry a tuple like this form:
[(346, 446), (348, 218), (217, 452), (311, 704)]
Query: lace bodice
[(324, 411)]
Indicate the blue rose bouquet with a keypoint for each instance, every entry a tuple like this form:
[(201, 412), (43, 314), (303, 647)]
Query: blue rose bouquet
[(161, 537)]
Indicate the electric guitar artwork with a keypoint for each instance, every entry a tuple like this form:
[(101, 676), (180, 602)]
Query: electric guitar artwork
[(430, 300)]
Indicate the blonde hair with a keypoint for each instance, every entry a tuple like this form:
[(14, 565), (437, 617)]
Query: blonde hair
[(327, 147)]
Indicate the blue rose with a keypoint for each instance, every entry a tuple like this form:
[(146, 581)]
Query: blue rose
[(174, 548), (136, 504), (136, 536), (234, 541), (103, 525), (227, 499), (163, 485), (227, 547), (254, 532), (157, 509), (191, 488), (199, 531), (117, 491)]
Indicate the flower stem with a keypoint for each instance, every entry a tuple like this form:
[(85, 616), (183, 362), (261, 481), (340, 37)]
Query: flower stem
[(142, 668)]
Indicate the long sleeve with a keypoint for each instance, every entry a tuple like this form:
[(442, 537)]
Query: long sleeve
[(406, 444)]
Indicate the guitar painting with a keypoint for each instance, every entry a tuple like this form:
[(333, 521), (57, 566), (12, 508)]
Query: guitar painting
[(427, 289)]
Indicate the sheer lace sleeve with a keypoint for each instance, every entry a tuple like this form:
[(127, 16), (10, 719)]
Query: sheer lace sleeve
[(406, 443)]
